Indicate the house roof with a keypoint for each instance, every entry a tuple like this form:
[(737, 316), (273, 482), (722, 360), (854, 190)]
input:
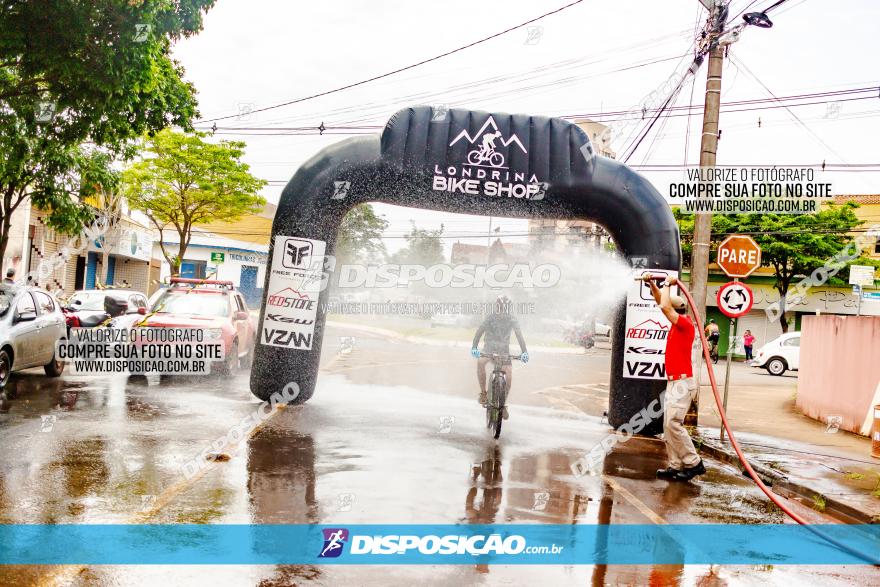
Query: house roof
[(858, 199)]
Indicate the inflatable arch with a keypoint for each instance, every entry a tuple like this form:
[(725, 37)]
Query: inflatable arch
[(453, 161)]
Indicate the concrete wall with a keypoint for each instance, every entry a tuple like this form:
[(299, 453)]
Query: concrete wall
[(839, 368)]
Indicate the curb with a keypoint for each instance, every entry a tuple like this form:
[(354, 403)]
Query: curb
[(782, 485)]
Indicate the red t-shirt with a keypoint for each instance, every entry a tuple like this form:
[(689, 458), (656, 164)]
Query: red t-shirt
[(678, 349)]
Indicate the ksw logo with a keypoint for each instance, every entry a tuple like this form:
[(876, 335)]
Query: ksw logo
[(288, 319), (485, 154), (334, 542), (640, 350), (649, 329), (297, 340), (295, 253), (645, 369)]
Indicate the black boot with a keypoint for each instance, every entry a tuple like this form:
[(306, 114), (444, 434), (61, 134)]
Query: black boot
[(667, 473), (689, 473)]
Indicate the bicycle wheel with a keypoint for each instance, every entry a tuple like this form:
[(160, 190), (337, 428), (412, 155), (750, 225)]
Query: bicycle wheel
[(490, 407), (500, 394)]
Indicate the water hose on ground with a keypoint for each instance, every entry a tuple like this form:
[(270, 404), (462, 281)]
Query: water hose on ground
[(751, 472)]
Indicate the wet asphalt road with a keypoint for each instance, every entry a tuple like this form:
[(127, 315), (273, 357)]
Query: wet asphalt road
[(392, 435)]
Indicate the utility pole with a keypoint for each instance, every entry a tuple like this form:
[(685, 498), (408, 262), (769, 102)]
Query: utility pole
[(708, 149)]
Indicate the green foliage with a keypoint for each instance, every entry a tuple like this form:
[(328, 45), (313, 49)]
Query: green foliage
[(423, 246), (74, 73), (794, 245), (186, 181), (360, 236)]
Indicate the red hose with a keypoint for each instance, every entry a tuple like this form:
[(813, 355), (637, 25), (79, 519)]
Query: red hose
[(772, 496)]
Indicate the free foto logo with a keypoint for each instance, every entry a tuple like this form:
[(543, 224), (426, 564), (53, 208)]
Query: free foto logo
[(334, 542), (295, 253), (485, 154)]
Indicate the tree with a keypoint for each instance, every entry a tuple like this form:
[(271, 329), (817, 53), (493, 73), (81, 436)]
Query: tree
[(360, 236), (794, 245), (78, 80), (423, 247), (187, 181)]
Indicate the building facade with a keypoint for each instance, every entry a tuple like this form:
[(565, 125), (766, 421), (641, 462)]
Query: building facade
[(212, 256), (63, 264)]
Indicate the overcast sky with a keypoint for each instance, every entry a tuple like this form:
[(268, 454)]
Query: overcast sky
[(256, 53)]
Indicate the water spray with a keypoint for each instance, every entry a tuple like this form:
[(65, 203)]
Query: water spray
[(751, 472)]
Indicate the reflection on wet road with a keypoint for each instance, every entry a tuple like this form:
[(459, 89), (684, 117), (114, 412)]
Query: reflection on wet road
[(78, 450)]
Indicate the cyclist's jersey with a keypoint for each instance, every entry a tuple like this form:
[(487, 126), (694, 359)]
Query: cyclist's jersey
[(713, 333), (497, 328)]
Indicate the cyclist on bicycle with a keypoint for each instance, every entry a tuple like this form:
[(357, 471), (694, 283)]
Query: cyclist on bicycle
[(713, 334), (497, 327), (488, 145)]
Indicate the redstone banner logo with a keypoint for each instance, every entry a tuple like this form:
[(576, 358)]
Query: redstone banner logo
[(290, 298), (649, 329)]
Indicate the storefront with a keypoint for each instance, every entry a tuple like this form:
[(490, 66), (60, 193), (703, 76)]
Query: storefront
[(212, 257), (819, 300), (128, 251)]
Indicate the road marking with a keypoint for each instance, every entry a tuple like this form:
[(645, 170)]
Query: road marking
[(563, 404), (616, 486), (634, 501), (377, 365)]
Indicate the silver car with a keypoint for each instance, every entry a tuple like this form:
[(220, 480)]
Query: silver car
[(31, 323)]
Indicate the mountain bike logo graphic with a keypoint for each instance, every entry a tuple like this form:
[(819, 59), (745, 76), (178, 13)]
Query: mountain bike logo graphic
[(485, 154)]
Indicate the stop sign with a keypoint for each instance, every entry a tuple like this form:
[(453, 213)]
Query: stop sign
[(739, 255)]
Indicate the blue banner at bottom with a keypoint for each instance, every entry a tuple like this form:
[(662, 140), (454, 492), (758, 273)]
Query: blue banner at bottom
[(26, 544)]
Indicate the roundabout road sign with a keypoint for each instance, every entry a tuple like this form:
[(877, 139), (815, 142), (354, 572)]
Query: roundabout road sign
[(735, 299)]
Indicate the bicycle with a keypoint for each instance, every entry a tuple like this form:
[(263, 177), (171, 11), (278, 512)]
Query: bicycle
[(485, 155), (497, 392), (713, 350)]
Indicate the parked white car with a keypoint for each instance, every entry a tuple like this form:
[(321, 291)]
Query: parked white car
[(31, 323), (780, 354)]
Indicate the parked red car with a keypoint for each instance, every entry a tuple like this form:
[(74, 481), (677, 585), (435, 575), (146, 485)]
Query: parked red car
[(214, 306)]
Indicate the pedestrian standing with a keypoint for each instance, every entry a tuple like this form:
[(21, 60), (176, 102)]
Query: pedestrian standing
[(683, 461), (748, 342)]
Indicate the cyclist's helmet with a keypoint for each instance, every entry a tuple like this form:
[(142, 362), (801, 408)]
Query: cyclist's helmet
[(502, 305), (711, 320)]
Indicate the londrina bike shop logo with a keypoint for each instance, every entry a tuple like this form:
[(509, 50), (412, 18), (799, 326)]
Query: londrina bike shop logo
[(334, 542), (486, 172)]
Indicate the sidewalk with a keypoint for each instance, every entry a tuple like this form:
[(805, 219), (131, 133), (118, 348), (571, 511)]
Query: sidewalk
[(827, 469)]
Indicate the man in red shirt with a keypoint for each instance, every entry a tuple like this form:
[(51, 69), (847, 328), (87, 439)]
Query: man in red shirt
[(684, 463)]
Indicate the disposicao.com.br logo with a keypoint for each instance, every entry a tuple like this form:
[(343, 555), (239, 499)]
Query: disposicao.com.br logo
[(450, 544)]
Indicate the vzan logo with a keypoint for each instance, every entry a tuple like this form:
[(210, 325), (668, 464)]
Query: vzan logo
[(295, 253), (486, 170)]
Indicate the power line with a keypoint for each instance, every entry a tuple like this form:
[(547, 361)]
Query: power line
[(773, 103), (737, 63), (399, 70), (463, 92)]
